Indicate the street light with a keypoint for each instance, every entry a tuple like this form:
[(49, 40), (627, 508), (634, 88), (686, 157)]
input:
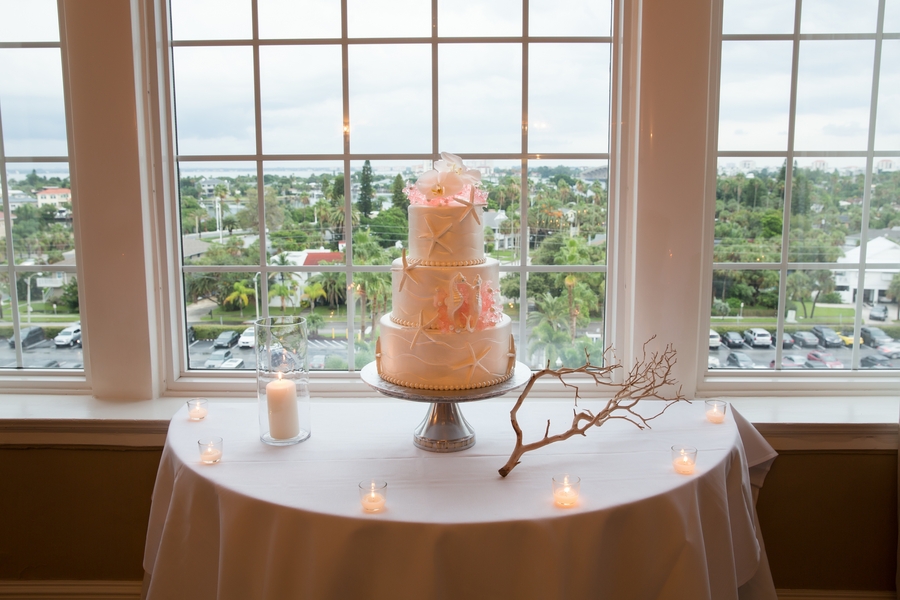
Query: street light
[(28, 294), (256, 295)]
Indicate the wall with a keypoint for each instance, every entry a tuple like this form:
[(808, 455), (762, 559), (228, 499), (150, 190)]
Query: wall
[(80, 513)]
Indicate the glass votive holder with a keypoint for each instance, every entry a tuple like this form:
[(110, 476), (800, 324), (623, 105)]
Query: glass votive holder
[(210, 450), (373, 495), (683, 459), (565, 490), (715, 411), (198, 408)]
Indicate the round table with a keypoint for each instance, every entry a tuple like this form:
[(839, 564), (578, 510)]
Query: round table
[(286, 522)]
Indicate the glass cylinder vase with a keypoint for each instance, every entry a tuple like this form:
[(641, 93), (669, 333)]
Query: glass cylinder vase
[(282, 380)]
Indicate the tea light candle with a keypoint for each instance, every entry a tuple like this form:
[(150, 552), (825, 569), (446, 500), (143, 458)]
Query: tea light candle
[(373, 495), (565, 490), (715, 411), (281, 402), (210, 450), (197, 409), (683, 459)]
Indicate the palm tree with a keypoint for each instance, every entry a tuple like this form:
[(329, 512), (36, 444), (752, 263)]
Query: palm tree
[(313, 292), (335, 286), (283, 291), (240, 296), (550, 309), (548, 340), (823, 283), (798, 288), (893, 292)]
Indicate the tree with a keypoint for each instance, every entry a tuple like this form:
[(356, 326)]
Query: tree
[(823, 283), (69, 297), (334, 284), (313, 292), (798, 288), (398, 197), (282, 290), (248, 218), (241, 295), (391, 226), (366, 193)]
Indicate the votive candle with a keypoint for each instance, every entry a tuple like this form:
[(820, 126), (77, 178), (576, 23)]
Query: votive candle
[(683, 459), (373, 495), (197, 409), (715, 411), (210, 450), (565, 490)]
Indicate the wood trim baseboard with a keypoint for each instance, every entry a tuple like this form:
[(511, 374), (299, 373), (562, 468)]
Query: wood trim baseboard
[(834, 595), (70, 590)]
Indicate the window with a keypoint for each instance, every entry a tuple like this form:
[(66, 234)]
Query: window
[(328, 110), (807, 215), (39, 306)]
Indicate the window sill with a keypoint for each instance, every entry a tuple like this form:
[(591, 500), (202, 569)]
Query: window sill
[(805, 423)]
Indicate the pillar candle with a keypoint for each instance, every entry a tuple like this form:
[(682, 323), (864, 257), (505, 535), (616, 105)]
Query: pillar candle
[(281, 401)]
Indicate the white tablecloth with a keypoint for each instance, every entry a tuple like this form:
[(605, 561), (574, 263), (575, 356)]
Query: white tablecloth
[(285, 522)]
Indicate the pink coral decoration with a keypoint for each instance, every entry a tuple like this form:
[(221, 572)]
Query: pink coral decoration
[(467, 315), (417, 197), (450, 182)]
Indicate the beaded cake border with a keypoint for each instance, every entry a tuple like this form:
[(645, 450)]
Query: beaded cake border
[(446, 388), (411, 324), (421, 262)]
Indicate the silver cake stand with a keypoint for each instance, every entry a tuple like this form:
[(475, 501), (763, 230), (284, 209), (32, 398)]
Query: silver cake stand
[(444, 428)]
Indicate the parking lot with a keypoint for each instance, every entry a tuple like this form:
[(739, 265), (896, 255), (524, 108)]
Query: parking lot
[(319, 350), (763, 357)]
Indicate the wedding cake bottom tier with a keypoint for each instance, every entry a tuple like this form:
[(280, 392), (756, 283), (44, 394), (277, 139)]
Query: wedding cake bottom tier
[(429, 359)]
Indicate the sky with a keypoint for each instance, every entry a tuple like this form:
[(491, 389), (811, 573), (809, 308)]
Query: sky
[(479, 87)]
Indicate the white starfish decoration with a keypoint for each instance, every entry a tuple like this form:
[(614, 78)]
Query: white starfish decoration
[(511, 355), (470, 206), (421, 326), (407, 270), (474, 362), (435, 236)]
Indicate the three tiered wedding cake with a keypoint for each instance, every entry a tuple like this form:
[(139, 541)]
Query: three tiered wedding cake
[(446, 330)]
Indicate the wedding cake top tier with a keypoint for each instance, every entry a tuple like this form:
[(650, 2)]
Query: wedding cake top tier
[(444, 236)]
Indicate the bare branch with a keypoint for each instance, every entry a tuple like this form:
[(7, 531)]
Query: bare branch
[(646, 379)]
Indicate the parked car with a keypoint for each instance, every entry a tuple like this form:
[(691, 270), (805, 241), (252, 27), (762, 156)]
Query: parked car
[(847, 338), (226, 339), (317, 362), (874, 361), (826, 358), (714, 340), (233, 363), (191, 334), (216, 359), (248, 338), (873, 336), (787, 341), (713, 362), (814, 364), (30, 336), (890, 349), (790, 361), (878, 312), (69, 336), (732, 339), (805, 339), (757, 338), (739, 360), (827, 337)]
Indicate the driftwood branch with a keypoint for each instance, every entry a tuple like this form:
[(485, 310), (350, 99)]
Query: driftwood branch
[(647, 378)]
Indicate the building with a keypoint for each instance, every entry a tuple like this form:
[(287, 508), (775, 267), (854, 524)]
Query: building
[(877, 281), (54, 196)]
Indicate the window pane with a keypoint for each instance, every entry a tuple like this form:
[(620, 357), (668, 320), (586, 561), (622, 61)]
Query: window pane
[(565, 319), (758, 16), (558, 120), (304, 213), (744, 314), (372, 294), (302, 110), (826, 208), (40, 202), (887, 125), (480, 110), (211, 19), (468, 18), (833, 95), (892, 16), (884, 208), (567, 208), (32, 21), (388, 18), (390, 110), (755, 95), (50, 331), (31, 101), (569, 17), (283, 19), (502, 181), (220, 306), (378, 198), (749, 210), (832, 16), (214, 100), (219, 219)]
